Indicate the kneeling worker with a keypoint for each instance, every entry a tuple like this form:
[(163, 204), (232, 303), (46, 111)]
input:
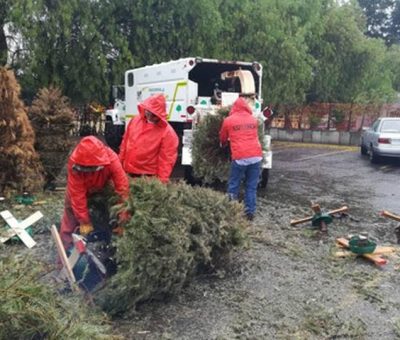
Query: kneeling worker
[(150, 145), (90, 167)]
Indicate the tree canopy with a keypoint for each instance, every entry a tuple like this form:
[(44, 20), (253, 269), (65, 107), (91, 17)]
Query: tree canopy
[(311, 50)]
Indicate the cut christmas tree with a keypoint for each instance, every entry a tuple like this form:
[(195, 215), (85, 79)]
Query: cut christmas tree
[(210, 161), (19, 162), (175, 232), (53, 120)]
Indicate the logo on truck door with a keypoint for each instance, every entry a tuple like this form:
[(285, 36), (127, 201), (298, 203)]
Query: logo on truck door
[(142, 95), (177, 86)]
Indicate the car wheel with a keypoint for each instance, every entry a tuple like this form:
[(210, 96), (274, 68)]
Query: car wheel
[(373, 157), (363, 149)]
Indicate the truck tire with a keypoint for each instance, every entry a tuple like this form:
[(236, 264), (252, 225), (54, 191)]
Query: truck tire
[(189, 177), (263, 179), (113, 134)]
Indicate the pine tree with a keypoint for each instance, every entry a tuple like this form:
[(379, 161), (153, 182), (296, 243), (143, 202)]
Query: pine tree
[(175, 232), (53, 120), (19, 162)]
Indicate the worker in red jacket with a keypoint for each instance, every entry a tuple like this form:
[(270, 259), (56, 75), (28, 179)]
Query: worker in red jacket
[(240, 128), (90, 166), (150, 145)]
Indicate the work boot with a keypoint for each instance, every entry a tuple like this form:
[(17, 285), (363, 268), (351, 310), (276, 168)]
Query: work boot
[(250, 216)]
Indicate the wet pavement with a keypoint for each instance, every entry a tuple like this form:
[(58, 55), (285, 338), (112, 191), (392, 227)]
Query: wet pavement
[(289, 284)]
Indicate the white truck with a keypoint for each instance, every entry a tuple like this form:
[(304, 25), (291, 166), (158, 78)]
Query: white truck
[(193, 87)]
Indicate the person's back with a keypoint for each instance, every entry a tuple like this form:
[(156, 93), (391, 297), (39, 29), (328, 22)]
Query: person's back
[(240, 128)]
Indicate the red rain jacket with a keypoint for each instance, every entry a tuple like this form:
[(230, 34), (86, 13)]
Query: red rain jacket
[(90, 152), (150, 149), (241, 129)]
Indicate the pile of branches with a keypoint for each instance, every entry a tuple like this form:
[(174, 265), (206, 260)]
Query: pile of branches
[(19, 162), (211, 162), (31, 309), (53, 120), (175, 232)]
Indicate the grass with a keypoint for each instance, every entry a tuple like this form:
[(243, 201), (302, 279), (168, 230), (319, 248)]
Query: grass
[(286, 145), (327, 324)]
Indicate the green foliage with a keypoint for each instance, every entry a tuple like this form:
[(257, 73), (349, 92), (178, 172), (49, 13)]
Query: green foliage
[(210, 161), (382, 19), (30, 309), (314, 120), (175, 232), (311, 50), (392, 63), (338, 115), (52, 119), (350, 68)]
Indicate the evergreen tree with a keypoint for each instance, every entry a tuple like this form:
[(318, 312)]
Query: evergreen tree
[(19, 162)]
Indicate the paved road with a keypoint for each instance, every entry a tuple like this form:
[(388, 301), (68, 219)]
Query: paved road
[(343, 166)]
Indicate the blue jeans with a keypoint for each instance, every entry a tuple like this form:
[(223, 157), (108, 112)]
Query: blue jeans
[(251, 173)]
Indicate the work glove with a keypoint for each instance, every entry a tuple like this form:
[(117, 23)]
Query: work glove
[(118, 230), (124, 217), (85, 229)]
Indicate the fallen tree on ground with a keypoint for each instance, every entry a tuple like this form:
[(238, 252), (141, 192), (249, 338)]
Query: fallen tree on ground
[(175, 232)]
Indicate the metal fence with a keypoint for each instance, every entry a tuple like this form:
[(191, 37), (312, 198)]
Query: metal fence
[(331, 116)]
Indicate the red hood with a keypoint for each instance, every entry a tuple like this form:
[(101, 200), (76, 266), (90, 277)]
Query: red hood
[(90, 152), (155, 104), (240, 106)]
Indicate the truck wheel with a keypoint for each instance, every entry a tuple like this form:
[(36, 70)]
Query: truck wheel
[(189, 177), (263, 179), (113, 134)]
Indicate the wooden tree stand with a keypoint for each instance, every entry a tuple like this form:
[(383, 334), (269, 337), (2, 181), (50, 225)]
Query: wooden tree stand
[(320, 219), (395, 217)]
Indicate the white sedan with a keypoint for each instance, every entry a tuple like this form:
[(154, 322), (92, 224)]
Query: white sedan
[(382, 139)]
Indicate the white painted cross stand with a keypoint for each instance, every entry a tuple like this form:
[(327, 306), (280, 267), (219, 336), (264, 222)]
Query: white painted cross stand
[(18, 228)]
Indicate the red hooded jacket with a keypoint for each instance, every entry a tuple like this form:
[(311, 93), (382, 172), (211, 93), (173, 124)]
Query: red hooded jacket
[(91, 152), (150, 149), (241, 128)]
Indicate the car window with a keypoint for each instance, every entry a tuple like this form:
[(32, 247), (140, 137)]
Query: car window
[(392, 126), (374, 126)]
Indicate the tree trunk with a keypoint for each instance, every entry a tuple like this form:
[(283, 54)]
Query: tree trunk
[(350, 116), (3, 46)]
